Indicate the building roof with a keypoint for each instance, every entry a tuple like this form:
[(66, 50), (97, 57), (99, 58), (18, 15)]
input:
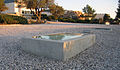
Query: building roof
[(98, 16), (9, 1)]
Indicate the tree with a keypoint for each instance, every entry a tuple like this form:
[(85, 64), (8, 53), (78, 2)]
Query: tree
[(2, 6), (37, 7), (56, 10), (106, 17), (89, 11), (118, 11)]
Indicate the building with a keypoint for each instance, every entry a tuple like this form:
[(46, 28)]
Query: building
[(86, 16), (99, 16), (77, 14), (19, 8), (72, 14), (69, 14)]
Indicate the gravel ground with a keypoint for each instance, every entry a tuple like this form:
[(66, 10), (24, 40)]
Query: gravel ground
[(104, 55)]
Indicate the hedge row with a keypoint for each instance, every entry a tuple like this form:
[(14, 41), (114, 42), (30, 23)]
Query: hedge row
[(44, 16), (78, 20), (10, 19)]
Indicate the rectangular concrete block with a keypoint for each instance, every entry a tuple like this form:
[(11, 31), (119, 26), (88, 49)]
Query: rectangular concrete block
[(58, 49)]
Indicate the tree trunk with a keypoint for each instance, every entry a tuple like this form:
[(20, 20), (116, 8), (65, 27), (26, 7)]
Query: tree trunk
[(39, 15), (39, 18)]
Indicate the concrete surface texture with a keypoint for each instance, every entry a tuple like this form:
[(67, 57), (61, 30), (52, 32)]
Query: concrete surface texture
[(59, 50)]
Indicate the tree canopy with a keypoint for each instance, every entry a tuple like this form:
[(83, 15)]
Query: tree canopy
[(88, 10), (2, 6), (106, 17), (56, 10), (37, 6), (118, 11)]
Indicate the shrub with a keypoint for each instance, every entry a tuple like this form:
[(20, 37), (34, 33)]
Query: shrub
[(60, 19), (71, 20), (1, 20), (34, 17), (21, 20), (96, 21), (10, 19), (51, 17), (7, 20), (67, 20), (44, 16)]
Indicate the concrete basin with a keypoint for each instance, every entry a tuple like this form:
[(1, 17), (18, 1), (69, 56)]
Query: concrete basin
[(58, 46)]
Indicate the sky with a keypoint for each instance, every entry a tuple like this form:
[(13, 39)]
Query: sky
[(101, 6)]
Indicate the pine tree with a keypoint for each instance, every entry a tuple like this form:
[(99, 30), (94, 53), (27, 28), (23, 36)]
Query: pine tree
[(118, 11), (89, 12)]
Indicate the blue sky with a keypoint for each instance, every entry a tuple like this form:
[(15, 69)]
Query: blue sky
[(101, 6)]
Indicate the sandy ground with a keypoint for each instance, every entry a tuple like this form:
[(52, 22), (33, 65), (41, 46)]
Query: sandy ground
[(104, 55)]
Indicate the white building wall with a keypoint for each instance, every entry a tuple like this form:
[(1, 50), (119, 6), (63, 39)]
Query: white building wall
[(47, 13), (99, 16), (25, 9), (13, 9), (10, 8), (16, 9)]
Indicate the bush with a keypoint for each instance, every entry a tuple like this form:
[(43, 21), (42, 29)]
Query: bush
[(60, 19), (1, 20), (67, 20), (34, 17), (51, 17), (7, 20), (10, 19), (96, 21), (82, 21), (76, 20), (44, 16), (21, 20)]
